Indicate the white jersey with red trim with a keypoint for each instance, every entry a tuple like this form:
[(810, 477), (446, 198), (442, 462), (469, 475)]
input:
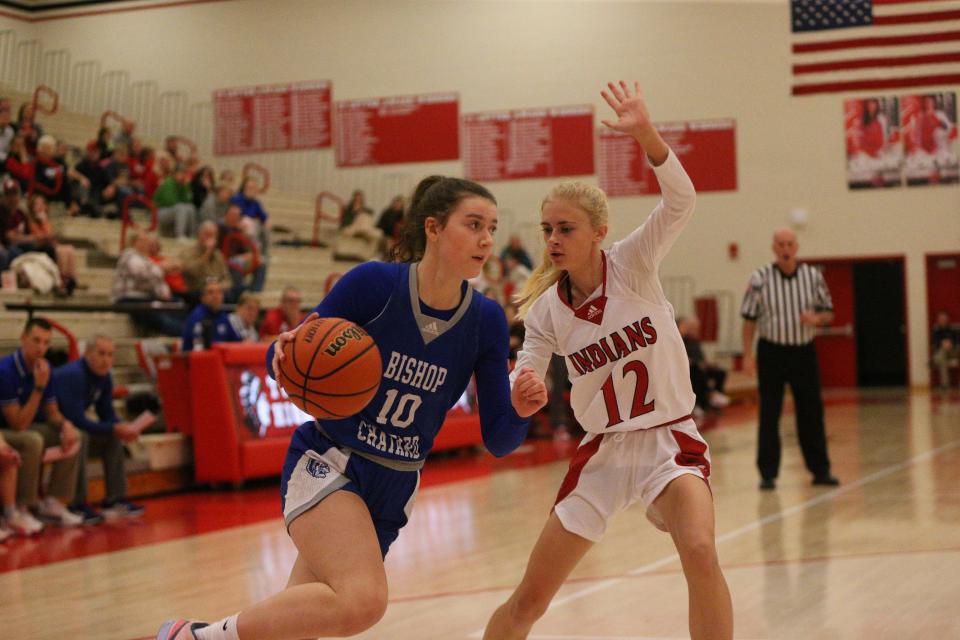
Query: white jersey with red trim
[(624, 354)]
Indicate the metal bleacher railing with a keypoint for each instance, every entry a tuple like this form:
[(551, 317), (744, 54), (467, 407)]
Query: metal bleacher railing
[(89, 88)]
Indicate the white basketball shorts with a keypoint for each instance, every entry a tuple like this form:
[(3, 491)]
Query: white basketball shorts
[(611, 471)]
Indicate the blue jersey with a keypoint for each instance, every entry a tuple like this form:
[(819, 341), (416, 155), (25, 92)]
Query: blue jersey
[(428, 359), (204, 319)]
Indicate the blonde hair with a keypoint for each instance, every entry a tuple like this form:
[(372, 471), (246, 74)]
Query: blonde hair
[(586, 197)]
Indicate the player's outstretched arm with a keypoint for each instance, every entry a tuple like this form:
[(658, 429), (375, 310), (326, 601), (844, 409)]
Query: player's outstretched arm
[(633, 119)]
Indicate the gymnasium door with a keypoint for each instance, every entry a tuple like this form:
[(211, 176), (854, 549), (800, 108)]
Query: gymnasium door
[(836, 346), (881, 328), (866, 343), (943, 286)]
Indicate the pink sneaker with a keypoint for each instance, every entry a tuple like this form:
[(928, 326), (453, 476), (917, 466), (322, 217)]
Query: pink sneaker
[(179, 630)]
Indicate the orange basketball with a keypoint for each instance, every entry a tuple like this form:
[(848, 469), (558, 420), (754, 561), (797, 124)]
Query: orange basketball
[(331, 369)]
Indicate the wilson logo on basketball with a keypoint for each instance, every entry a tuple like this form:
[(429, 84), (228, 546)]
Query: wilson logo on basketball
[(311, 332), (338, 343)]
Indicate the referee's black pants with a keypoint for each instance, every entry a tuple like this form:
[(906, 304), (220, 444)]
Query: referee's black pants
[(797, 366)]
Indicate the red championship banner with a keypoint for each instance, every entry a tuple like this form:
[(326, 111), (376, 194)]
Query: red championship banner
[(706, 148), (280, 117), (420, 128), (528, 143)]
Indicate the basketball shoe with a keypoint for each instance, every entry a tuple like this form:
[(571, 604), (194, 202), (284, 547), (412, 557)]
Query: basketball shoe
[(180, 630), (23, 523)]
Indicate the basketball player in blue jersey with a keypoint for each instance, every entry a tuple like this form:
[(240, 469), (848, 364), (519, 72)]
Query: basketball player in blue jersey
[(348, 485)]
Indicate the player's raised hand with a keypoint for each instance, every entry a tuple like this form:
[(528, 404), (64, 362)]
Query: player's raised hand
[(529, 393), (631, 109), (283, 339)]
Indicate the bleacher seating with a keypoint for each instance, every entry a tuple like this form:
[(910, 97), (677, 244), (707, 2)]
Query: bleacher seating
[(98, 242)]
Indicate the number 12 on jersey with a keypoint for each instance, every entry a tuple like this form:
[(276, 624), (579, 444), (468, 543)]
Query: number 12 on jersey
[(638, 406)]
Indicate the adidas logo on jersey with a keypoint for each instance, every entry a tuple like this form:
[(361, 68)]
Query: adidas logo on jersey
[(592, 312), (432, 328)]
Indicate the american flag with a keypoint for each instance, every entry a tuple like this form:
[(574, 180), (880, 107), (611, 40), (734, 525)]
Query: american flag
[(868, 45)]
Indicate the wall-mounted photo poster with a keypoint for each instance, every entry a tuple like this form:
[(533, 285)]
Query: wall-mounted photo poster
[(874, 152), (930, 139)]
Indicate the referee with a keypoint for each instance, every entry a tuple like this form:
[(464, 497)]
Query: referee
[(788, 300)]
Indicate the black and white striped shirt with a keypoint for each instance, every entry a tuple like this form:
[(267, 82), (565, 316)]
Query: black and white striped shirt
[(775, 301)]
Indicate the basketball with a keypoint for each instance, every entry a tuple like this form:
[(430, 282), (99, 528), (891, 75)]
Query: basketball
[(331, 369)]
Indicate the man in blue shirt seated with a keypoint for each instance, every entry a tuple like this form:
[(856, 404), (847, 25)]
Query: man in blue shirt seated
[(86, 383), (208, 322), (25, 388)]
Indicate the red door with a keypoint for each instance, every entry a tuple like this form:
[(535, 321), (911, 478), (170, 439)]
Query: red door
[(943, 291), (943, 286), (837, 350)]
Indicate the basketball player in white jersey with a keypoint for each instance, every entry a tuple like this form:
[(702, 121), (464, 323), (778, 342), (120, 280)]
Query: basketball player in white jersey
[(605, 312)]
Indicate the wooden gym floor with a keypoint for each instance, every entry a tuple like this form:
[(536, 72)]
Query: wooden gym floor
[(877, 557)]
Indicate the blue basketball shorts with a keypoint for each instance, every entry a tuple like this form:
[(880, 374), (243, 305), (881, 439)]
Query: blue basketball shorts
[(315, 467)]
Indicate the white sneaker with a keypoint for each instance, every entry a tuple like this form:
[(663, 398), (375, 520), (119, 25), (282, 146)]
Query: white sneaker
[(52, 510), (719, 400), (24, 524)]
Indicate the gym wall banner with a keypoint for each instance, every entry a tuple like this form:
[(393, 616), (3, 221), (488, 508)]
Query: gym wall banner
[(399, 129), (279, 117), (706, 148), (528, 143)]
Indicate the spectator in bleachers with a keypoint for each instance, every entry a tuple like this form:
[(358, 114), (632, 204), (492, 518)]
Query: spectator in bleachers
[(7, 132), (945, 347), (96, 180), (175, 204), (149, 177), (13, 223), (250, 206), (391, 224), (82, 385), (516, 250), (27, 126), (172, 270), (138, 279), (25, 389), (356, 206), (222, 201), (50, 174), (515, 275), (171, 144), (239, 256), (125, 135), (165, 165), (19, 163), (78, 185), (227, 179), (204, 261), (284, 317), (117, 188), (43, 234), (204, 190), (102, 142), (208, 323), (136, 167), (706, 378), (9, 212), (243, 321)]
